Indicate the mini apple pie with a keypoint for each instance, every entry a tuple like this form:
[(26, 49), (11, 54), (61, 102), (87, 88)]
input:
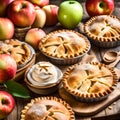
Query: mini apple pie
[(89, 81), (64, 46), (47, 108), (20, 51), (103, 30)]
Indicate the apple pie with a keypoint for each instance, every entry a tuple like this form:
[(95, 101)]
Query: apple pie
[(20, 51), (89, 81), (64, 46), (103, 30), (47, 108)]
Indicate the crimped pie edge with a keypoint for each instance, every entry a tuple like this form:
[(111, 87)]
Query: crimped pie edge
[(100, 39), (26, 108), (88, 96), (64, 30)]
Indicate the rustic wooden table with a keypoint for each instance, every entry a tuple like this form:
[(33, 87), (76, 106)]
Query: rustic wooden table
[(112, 112)]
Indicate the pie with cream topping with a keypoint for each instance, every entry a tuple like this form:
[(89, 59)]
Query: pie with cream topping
[(43, 74)]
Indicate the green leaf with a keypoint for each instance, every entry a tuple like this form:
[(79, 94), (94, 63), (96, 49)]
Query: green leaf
[(16, 89)]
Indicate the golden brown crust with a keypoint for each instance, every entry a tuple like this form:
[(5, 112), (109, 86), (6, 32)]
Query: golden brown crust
[(86, 80), (64, 44), (19, 50), (103, 28), (51, 107)]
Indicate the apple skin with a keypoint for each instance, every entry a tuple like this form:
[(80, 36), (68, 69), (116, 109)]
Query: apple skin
[(33, 37), (40, 18), (70, 13), (6, 28), (99, 7), (7, 104), (21, 12), (51, 14), (40, 3), (8, 67), (3, 7)]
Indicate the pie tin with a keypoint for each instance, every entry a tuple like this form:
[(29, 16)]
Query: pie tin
[(32, 53), (105, 44), (22, 68)]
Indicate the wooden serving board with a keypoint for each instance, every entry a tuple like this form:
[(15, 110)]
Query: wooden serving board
[(88, 109)]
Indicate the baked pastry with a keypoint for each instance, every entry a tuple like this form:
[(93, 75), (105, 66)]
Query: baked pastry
[(43, 77), (47, 108), (20, 51), (103, 30), (64, 46), (89, 81)]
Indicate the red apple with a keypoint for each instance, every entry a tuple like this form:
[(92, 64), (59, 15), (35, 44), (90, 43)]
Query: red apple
[(40, 18), (6, 28), (7, 104), (3, 7), (8, 67), (22, 13), (51, 14), (33, 37), (99, 7), (40, 3)]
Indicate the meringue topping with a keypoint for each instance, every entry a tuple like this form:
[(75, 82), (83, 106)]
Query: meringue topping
[(43, 73)]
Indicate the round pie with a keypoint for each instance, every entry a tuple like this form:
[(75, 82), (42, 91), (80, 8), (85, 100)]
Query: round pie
[(47, 108), (20, 51), (89, 81), (103, 30), (43, 78), (64, 46)]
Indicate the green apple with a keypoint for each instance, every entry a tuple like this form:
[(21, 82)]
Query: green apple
[(70, 13)]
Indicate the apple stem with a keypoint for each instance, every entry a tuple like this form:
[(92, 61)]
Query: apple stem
[(101, 4), (4, 101), (71, 2), (23, 5)]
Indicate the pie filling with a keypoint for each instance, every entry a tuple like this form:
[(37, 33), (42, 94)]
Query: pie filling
[(64, 44)]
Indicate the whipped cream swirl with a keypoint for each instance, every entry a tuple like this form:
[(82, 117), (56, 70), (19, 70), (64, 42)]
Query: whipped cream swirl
[(44, 73)]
